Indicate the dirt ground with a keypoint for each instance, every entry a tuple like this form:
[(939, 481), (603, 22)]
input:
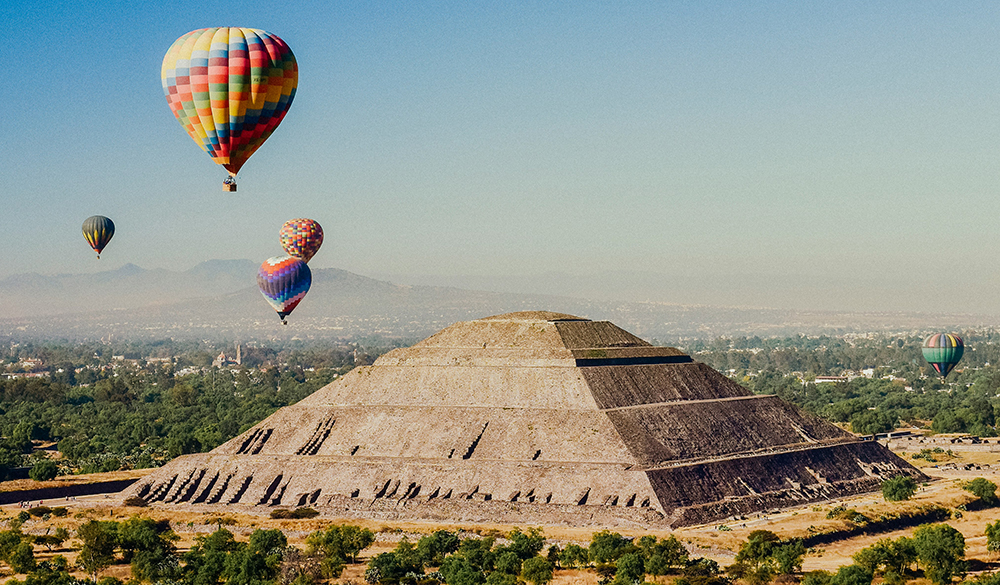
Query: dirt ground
[(718, 542)]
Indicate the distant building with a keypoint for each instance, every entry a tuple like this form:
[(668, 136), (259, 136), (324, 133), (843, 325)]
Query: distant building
[(31, 363), (222, 360), (824, 379)]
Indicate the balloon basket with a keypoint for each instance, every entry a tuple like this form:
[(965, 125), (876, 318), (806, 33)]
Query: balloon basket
[(230, 187)]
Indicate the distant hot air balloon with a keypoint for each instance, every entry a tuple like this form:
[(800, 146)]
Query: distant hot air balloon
[(942, 351), (301, 238), (284, 280), (98, 230), (229, 88)]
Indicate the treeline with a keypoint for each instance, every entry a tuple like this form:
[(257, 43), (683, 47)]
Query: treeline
[(136, 419), (148, 547), (904, 389), (308, 353)]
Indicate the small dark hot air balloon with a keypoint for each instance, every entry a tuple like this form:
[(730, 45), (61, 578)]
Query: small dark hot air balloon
[(229, 87), (301, 238), (98, 230), (942, 351), (284, 280)]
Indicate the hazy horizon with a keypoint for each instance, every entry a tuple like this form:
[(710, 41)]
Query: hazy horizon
[(826, 157)]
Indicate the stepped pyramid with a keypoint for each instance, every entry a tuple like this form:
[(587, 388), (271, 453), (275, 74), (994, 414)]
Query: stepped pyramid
[(531, 417)]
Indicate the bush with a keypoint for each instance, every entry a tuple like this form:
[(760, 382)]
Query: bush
[(296, 514), (538, 570), (39, 511), (44, 470), (852, 575), (983, 489), (899, 488), (135, 502), (940, 549)]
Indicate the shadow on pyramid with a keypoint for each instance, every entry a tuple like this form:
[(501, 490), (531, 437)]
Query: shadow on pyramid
[(531, 418)]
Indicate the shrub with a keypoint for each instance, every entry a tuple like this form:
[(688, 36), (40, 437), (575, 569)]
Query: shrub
[(983, 489), (296, 514), (940, 549), (135, 502), (44, 470), (899, 488)]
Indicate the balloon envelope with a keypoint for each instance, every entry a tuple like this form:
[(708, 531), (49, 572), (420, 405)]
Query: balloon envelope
[(942, 351), (284, 280), (301, 238), (229, 88), (98, 230)]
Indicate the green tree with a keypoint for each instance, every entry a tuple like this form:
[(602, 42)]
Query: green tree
[(59, 536), (993, 536), (574, 556), (456, 569), (22, 558), (44, 470), (10, 540), (205, 562), (536, 570), (630, 569), (983, 489), (607, 546), (756, 550), (890, 558), (52, 572), (940, 550), (259, 560), (816, 578), (851, 575), (100, 539), (508, 562), (435, 546), (338, 545), (899, 488), (789, 556), (148, 545), (663, 555)]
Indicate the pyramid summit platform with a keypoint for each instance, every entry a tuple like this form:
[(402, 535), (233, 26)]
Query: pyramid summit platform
[(535, 418)]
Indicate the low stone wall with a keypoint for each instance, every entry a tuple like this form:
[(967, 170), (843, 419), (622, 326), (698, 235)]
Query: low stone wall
[(66, 491)]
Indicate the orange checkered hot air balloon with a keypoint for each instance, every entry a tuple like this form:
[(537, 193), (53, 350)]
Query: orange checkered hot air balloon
[(229, 88), (301, 238)]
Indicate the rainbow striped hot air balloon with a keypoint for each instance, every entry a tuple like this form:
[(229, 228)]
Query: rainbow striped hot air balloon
[(301, 238), (942, 351), (98, 230), (284, 280), (229, 88)]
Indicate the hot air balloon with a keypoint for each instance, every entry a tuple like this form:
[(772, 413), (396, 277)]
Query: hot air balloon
[(98, 230), (942, 351), (284, 280), (229, 88), (301, 238)]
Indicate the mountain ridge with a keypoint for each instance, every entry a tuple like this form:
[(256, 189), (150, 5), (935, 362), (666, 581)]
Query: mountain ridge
[(219, 298)]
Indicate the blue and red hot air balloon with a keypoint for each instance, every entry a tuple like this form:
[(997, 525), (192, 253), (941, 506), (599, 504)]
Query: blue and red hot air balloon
[(284, 280), (943, 351)]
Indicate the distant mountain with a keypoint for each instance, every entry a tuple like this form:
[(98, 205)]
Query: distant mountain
[(128, 287), (215, 300)]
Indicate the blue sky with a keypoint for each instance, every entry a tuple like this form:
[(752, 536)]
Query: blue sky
[(744, 148)]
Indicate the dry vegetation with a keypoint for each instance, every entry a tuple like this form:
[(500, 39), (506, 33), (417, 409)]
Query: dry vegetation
[(708, 541)]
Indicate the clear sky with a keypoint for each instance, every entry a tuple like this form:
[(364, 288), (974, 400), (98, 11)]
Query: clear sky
[(746, 146)]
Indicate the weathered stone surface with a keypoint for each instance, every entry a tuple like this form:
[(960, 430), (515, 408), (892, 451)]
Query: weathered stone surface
[(537, 418)]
